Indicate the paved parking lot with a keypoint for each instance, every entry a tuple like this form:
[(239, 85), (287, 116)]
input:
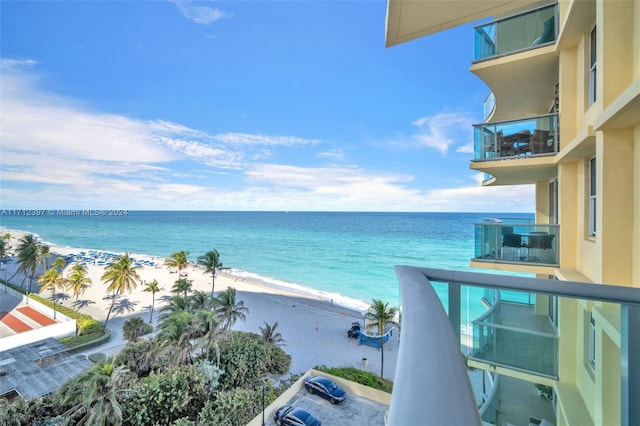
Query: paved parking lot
[(356, 410)]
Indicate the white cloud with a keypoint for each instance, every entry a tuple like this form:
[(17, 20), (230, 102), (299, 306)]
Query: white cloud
[(54, 142), (204, 15), (13, 62), (272, 140), (334, 155), (443, 130), (58, 153)]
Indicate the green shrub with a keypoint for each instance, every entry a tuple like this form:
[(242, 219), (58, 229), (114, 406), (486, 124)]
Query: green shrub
[(164, 397), (245, 357), (148, 328), (88, 325), (74, 341), (97, 357), (135, 327), (236, 407), (359, 376)]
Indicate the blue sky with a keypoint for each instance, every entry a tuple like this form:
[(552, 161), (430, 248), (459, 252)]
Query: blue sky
[(240, 105)]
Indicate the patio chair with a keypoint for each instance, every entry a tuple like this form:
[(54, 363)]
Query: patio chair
[(539, 141), (541, 243)]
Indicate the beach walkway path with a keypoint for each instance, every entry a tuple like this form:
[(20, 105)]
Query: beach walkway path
[(38, 317), (15, 324)]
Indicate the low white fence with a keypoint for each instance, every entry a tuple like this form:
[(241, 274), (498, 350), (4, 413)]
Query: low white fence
[(64, 327)]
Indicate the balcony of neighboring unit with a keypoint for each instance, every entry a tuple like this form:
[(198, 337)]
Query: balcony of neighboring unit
[(532, 141), (519, 242), (524, 31), (510, 334), (516, 57), (488, 106)]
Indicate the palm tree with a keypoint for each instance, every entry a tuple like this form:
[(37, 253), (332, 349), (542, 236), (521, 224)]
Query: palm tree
[(27, 251), (201, 300), (208, 329), (5, 253), (5, 247), (52, 279), (270, 335), (133, 328), (77, 281), (211, 261), (95, 396), (121, 276), (381, 314), (182, 286), (30, 255), (176, 304), (178, 260), (176, 335), (153, 287), (229, 310), (45, 253)]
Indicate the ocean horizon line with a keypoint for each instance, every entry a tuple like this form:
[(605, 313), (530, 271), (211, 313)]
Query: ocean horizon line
[(44, 212)]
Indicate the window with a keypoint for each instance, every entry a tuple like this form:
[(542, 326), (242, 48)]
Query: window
[(592, 341), (592, 196), (592, 67)]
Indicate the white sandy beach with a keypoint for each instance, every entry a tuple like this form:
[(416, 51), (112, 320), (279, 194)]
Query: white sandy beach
[(315, 330)]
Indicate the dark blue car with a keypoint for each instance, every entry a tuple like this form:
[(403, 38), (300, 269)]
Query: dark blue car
[(292, 416), (325, 388)]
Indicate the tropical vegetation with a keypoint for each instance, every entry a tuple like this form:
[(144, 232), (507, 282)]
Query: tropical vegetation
[(52, 279), (31, 254), (178, 260), (229, 309), (358, 376), (77, 281), (134, 328), (152, 287), (381, 314), (270, 335), (190, 373), (5, 249), (121, 275), (194, 370), (211, 262)]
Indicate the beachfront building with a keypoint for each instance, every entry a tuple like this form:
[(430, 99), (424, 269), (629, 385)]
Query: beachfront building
[(562, 114)]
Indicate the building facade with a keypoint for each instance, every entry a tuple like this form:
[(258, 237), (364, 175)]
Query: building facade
[(563, 115)]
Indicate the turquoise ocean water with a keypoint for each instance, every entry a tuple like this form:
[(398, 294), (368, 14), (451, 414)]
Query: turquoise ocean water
[(348, 257)]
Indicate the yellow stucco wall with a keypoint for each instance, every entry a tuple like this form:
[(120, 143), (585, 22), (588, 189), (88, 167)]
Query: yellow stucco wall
[(635, 232), (613, 255)]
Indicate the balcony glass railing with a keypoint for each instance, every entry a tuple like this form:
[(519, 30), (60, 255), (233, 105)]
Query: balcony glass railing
[(517, 242), (517, 33), (508, 331), (488, 105), (515, 331), (516, 138)]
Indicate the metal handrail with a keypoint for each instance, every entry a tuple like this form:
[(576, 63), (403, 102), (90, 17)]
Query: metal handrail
[(515, 15), (516, 120), (495, 385), (431, 384), (518, 329), (574, 289)]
